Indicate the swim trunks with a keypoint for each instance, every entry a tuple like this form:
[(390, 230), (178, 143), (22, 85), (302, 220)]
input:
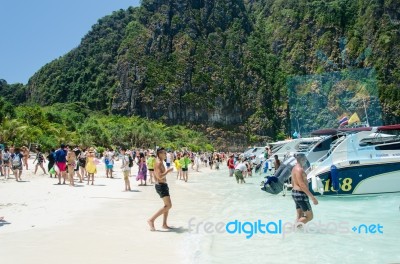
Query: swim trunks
[(62, 166), (238, 175), (17, 167), (301, 200), (162, 189)]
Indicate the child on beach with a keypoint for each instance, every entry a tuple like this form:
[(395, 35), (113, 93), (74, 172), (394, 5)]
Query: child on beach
[(126, 169), (91, 165)]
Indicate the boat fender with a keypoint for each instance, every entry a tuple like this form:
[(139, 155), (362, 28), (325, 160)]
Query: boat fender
[(320, 186), (335, 178), (314, 184)]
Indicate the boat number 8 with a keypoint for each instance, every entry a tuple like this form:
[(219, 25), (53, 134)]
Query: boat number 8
[(345, 186)]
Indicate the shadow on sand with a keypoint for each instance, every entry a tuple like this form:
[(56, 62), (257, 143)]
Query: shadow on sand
[(4, 222), (178, 230)]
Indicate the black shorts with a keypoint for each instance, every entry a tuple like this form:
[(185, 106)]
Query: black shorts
[(151, 169), (301, 200), (184, 169), (162, 189)]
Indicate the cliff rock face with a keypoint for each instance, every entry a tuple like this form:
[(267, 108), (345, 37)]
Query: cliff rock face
[(223, 63), (178, 60)]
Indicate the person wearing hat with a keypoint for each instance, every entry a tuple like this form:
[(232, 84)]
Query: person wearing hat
[(151, 161)]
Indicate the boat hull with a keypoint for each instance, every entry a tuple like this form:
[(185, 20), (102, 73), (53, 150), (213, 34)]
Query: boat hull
[(363, 179)]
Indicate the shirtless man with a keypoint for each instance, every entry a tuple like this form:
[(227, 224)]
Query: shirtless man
[(160, 174), (300, 192)]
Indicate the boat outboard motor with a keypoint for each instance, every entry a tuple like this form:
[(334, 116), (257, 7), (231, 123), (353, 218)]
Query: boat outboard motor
[(274, 184), (334, 173), (258, 167)]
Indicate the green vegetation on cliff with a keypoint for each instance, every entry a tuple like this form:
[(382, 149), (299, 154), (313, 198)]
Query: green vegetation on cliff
[(223, 63)]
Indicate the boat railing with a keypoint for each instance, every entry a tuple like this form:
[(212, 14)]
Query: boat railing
[(378, 140), (323, 158)]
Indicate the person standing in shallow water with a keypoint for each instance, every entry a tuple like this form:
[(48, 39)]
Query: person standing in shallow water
[(239, 170), (300, 192), (161, 186)]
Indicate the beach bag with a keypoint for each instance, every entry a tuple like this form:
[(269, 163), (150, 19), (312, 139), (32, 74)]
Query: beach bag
[(17, 160), (52, 170), (106, 161)]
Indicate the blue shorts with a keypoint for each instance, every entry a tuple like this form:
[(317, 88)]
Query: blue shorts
[(109, 166), (168, 164)]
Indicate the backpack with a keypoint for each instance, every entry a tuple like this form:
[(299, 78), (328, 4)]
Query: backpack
[(130, 161), (16, 160), (6, 157)]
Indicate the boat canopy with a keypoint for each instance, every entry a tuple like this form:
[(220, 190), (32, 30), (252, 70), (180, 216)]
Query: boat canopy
[(333, 131)]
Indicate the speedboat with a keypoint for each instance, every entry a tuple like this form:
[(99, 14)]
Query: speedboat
[(361, 161), (286, 149)]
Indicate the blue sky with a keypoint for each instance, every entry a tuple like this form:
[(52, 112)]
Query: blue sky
[(35, 32)]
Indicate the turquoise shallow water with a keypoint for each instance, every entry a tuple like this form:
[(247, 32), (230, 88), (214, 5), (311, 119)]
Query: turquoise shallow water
[(221, 199)]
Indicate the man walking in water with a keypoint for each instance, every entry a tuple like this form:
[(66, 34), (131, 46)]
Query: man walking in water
[(160, 174), (300, 192)]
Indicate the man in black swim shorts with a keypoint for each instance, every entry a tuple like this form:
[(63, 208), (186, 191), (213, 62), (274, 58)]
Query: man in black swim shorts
[(160, 173), (162, 189), (300, 192)]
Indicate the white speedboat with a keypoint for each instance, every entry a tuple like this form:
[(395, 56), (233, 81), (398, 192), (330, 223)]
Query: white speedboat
[(366, 162)]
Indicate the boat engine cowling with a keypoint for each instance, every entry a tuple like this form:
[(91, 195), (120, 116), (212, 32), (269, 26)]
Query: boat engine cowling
[(274, 184)]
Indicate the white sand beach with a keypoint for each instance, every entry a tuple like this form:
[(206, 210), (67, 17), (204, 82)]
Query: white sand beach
[(48, 223)]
